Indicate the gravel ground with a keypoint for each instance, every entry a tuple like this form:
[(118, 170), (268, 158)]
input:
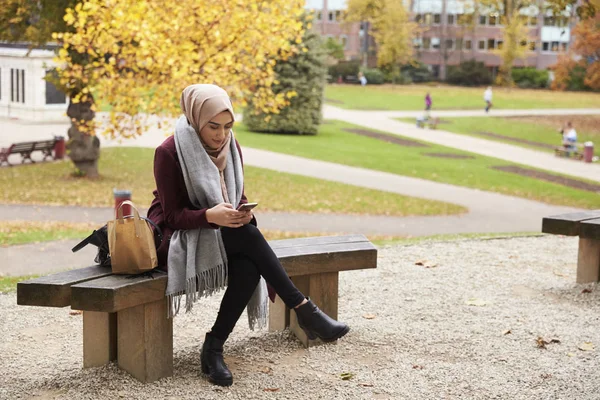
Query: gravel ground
[(414, 336)]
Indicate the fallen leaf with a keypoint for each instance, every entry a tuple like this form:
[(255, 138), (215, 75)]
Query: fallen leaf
[(346, 376), (75, 312), (476, 302), (507, 332), (546, 376), (369, 316), (570, 354), (426, 263), (271, 389), (586, 290), (586, 346), (417, 366), (541, 342), (266, 370), (365, 384), (560, 274)]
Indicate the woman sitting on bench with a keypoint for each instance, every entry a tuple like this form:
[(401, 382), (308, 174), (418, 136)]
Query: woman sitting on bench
[(569, 137), (210, 244)]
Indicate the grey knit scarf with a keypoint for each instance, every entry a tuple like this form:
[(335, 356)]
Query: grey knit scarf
[(197, 259)]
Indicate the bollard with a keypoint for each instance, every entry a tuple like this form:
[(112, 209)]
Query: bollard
[(588, 152), (121, 196), (59, 147)]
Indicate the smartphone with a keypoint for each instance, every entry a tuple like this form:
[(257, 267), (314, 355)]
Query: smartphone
[(247, 206)]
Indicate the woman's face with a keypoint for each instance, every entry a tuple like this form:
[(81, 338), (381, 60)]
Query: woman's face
[(215, 132)]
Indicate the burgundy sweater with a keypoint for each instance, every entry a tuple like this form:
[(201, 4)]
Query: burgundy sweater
[(171, 208)]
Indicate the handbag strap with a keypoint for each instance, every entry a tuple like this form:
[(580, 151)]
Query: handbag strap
[(156, 228)]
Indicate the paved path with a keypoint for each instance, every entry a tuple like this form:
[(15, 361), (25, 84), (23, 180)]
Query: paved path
[(544, 160)]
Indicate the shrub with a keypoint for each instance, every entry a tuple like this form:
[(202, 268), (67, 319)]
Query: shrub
[(344, 69), (374, 76), (416, 72), (469, 73), (530, 78), (303, 73)]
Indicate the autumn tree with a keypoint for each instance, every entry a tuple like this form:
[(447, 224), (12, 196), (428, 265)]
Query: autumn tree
[(583, 56), (392, 28), (137, 56)]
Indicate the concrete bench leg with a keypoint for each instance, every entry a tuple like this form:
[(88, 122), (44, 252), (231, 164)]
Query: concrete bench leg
[(99, 338), (323, 291), (588, 261), (145, 341), (279, 315)]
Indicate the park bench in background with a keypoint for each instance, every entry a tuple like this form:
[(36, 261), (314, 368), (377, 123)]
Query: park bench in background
[(586, 225), (125, 318), (576, 154), (26, 148)]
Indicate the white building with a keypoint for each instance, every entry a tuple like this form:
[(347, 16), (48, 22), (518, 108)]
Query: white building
[(24, 94)]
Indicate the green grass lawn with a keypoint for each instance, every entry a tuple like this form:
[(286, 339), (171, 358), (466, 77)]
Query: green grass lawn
[(131, 168), (335, 145), (530, 129), (21, 232), (411, 97)]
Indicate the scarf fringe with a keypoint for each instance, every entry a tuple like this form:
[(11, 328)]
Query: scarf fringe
[(201, 285)]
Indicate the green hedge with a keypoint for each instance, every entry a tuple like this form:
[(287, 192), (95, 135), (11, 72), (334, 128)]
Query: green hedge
[(529, 77), (305, 74), (469, 73), (344, 69), (374, 76)]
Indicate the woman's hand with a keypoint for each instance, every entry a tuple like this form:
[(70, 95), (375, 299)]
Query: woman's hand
[(224, 214), (247, 216)]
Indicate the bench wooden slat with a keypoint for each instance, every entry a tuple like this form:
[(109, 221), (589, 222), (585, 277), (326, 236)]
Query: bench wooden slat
[(590, 229), (567, 224), (55, 290), (117, 292), (311, 241), (327, 258)]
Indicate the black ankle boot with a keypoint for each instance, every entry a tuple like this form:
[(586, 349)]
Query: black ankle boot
[(315, 323), (212, 362)]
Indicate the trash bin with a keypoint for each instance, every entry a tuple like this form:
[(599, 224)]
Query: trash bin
[(121, 196), (59, 147), (588, 152)]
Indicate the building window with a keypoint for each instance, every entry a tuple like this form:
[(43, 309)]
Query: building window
[(468, 44), (481, 45), (549, 21), (532, 21), (458, 44), (331, 16), (563, 46), (499, 44), (427, 19), (435, 43), (338, 15), (417, 43), (492, 20), (426, 43), (344, 41), (450, 19), (532, 46), (546, 46), (491, 44), (554, 46), (0, 83), (482, 19), (17, 85), (437, 19), (53, 95), (449, 44), (418, 18), (319, 16)]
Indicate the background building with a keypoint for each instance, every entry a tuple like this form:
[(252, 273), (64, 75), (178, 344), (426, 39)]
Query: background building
[(24, 93), (451, 31)]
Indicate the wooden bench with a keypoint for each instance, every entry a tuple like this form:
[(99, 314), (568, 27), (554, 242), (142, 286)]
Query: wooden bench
[(562, 152), (432, 123), (125, 319), (586, 225), (26, 148)]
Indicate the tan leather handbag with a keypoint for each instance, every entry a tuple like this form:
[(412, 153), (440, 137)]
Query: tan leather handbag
[(131, 243)]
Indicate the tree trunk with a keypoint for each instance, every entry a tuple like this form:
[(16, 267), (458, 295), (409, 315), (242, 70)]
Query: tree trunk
[(83, 148)]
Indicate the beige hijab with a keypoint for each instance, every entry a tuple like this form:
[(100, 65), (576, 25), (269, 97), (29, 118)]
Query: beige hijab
[(200, 103)]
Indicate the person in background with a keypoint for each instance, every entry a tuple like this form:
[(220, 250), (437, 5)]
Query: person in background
[(569, 137), (362, 79), (487, 96), (428, 102)]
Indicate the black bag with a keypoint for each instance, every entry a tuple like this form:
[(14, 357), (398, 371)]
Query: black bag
[(99, 238)]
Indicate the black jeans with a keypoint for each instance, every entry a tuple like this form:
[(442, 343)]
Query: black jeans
[(249, 257)]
